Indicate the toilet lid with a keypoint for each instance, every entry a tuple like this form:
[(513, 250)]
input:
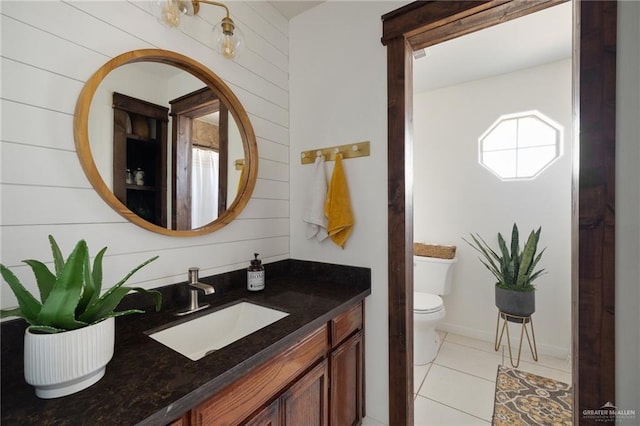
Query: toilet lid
[(426, 302)]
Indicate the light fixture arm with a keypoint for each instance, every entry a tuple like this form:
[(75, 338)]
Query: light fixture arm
[(196, 6), (227, 23)]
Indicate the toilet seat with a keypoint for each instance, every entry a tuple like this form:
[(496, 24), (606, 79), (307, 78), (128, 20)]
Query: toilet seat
[(425, 303)]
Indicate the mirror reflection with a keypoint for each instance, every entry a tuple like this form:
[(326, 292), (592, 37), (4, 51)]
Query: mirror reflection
[(165, 145)]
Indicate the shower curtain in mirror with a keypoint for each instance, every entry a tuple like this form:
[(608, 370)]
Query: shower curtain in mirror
[(204, 187)]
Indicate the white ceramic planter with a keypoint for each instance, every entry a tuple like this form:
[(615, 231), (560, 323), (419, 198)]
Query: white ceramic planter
[(64, 363)]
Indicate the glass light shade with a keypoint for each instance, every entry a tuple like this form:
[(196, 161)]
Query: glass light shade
[(227, 41), (170, 12)]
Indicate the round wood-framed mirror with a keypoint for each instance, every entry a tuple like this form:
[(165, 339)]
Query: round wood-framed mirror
[(112, 136)]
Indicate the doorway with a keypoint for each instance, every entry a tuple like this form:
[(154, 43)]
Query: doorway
[(458, 101), (422, 24), (200, 140)]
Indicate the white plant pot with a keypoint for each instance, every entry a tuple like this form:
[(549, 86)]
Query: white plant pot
[(60, 364)]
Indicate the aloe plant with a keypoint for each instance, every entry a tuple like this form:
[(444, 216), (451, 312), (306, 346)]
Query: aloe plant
[(70, 295), (513, 268)]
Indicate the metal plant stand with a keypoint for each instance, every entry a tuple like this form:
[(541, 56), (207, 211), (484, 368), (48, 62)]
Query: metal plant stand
[(520, 320)]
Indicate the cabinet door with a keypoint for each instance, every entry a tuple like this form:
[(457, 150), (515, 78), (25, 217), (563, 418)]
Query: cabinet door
[(182, 421), (269, 416), (346, 324), (306, 402), (346, 382)]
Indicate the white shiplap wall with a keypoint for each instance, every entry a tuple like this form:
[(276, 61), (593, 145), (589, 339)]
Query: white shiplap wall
[(49, 49)]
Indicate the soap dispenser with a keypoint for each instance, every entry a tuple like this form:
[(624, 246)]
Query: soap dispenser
[(255, 275)]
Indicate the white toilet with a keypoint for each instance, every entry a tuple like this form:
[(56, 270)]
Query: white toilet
[(431, 278)]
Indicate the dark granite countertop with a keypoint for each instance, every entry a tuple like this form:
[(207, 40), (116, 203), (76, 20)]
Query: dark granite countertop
[(147, 383)]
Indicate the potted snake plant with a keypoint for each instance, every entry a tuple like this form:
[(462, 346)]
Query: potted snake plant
[(70, 336), (514, 270)]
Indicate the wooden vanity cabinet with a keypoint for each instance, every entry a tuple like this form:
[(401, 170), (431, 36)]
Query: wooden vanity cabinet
[(182, 421), (316, 382), (347, 368), (235, 403), (346, 382), (268, 416), (306, 402)]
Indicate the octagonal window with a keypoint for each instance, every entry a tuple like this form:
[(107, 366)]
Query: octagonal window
[(520, 146)]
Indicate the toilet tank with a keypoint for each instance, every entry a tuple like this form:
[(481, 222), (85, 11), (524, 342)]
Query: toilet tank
[(433, 275)]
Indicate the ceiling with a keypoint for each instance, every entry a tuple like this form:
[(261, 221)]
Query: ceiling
[(532, 40), (536, 39), (289, 9)]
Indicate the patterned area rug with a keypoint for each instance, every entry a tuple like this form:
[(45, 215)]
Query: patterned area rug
[(527, 399)]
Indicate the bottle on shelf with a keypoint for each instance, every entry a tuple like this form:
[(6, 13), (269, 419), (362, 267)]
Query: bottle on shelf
[(139, 176)]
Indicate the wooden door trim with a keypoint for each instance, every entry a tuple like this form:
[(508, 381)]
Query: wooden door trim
[(184, 110), (421, 24)]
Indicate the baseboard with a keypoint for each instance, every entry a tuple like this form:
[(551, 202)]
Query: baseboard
[(543, 349), (369, 421)]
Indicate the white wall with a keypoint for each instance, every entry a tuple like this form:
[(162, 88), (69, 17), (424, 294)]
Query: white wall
[(628, 209), (49, 49), (455, 195), (338, 96)]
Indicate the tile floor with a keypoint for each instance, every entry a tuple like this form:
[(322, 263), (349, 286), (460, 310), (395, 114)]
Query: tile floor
[(457, 388)]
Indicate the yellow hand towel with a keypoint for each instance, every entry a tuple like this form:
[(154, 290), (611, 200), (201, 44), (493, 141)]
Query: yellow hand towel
[(338, 206)]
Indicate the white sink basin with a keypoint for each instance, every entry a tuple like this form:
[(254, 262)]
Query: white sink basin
[(196, 338)]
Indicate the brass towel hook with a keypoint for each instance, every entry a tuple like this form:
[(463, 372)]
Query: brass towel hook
[(360, 149)]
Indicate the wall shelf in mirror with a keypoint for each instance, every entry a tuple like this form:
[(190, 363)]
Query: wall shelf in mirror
[(138, 92), (140, 149)]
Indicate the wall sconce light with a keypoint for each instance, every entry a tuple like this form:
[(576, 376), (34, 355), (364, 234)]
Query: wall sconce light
[(227, 37)]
